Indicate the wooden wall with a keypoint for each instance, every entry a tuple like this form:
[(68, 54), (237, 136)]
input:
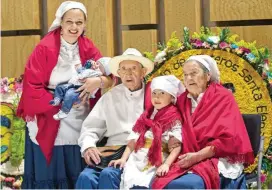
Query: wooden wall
[(18, 15), (115, 25)]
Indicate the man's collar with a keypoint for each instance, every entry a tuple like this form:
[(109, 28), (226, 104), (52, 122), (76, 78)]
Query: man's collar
[(136, 93)]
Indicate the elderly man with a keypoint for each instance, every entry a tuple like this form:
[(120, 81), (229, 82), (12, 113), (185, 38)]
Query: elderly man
[(113, 116)]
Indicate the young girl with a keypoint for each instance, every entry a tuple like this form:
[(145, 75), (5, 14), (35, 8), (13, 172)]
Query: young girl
[(149, 155)]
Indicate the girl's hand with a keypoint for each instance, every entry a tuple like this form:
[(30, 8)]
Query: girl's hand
[(119, 162), (162, 170)]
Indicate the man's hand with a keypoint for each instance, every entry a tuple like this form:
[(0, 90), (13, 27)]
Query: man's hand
[(92, 155), (162, 170), (189, 159), (173, 143), (121, 162)]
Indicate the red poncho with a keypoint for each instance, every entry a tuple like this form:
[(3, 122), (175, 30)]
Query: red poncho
[(35, 98), (216, 122), (163, 120)]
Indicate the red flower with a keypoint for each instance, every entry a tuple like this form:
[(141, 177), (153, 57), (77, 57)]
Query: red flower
[(263, 178), (245, 50)]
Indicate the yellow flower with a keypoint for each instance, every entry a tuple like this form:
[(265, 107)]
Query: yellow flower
[(11, 86), (11, 80)]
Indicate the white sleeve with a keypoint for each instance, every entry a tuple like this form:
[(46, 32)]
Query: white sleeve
[(133, 136), (176, 131), (93, 127)]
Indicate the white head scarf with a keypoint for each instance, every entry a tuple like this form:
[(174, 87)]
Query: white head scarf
[(63, 8), (169, 84), (209, 63)]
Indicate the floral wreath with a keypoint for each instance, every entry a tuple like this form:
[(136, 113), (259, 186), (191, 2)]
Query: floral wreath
[(206, 39), (224, 41)]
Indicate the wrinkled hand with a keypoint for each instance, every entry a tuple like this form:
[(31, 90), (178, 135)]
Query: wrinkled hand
[(162, 170), (119, 162), (90, 84), (187, 160), (92, 155), (173, 143)]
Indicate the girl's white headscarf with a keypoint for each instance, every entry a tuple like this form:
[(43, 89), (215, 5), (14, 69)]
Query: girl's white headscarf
[(208, 62), (169, 84), (63, 8)]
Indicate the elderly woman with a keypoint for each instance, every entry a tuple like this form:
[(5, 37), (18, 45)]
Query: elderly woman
[(53, 158), (215, 140)]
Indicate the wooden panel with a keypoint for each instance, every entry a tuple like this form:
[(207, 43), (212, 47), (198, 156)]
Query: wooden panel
[(181, 13), (138, 12), (15, 54), (20, 15), (143, 40), (224, 10), (262, 34), (99, 22)]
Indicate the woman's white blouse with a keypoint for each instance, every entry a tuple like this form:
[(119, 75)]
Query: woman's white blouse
[(70, 127)]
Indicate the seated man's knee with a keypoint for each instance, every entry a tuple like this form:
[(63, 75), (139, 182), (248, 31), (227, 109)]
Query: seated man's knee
[(110, 178), (108, 172), (87, 179), (188, 181)]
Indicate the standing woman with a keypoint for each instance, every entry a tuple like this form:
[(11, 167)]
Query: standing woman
[(52, 157)]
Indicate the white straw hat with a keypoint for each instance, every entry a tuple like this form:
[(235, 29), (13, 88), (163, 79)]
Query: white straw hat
[(133, 55)]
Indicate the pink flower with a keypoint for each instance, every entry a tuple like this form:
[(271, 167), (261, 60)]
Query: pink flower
[(196, 42), (266, 61), (244, 50), (206, 45), (18, 87), (263, 178), (224, 45)]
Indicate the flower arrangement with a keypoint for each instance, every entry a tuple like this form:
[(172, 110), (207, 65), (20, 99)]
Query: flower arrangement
[(223, 40), (12, 133)]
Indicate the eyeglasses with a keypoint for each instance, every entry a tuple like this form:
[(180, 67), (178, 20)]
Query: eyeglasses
[(126, 71)]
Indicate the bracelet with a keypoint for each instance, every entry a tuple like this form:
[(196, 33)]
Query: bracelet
[(101, 82)]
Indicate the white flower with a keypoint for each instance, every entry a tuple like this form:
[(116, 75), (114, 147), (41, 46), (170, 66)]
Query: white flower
[(266, 67), (213, 39), (253, 184), (160, 57)]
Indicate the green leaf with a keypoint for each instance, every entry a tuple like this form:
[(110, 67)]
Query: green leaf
[(149, 55), (17, 142), (224, 34)]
